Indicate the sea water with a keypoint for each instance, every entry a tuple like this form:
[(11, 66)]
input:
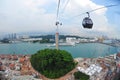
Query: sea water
[(79, 50)]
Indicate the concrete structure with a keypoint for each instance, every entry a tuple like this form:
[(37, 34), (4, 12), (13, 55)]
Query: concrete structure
[(57, 40)]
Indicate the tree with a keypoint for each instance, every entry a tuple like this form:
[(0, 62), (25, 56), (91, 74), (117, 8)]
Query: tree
[(81, 76), (52, 63)]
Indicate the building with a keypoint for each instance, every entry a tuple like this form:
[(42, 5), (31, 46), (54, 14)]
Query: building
[(71, 39)]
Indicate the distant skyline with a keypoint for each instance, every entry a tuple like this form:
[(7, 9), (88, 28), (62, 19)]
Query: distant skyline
[(22, 16)]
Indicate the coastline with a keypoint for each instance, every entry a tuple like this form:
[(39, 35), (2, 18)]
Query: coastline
[(89, 49)]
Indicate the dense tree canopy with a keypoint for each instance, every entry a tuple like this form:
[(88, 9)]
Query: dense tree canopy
[(81, 76), (52, 63)]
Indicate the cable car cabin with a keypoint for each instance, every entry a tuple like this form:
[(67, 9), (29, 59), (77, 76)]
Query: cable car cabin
[(87, 23)]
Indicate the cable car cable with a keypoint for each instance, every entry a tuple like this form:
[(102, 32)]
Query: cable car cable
[(65, 6), (97, 9), (87, 21), (57, 16), (88, 18), (103, 7), (58, 10)]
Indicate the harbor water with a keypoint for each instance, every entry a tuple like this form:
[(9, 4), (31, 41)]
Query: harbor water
[(86, 50)]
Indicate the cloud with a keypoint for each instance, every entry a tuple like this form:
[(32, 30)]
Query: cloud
[(26, 15), (101, 25), (40, 16)]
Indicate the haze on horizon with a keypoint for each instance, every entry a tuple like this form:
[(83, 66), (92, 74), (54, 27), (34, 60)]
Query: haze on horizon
[(17, 16)]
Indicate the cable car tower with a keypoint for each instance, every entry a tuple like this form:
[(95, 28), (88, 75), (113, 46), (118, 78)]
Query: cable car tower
[(57, 25), (57, 35)]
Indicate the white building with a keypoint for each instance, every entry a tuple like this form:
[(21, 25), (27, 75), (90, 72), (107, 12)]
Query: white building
[(71, 39), (83, 40)]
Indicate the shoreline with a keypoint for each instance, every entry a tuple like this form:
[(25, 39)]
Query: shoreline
[(90, 50)]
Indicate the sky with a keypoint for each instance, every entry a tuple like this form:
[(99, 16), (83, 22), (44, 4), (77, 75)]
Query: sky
[(39, 16)]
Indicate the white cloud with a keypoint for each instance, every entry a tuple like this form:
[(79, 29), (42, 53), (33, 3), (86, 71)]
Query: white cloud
[(26, 15), (101, 25), (36, 15)]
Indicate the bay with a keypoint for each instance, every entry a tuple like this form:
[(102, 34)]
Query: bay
[(85, 50)]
